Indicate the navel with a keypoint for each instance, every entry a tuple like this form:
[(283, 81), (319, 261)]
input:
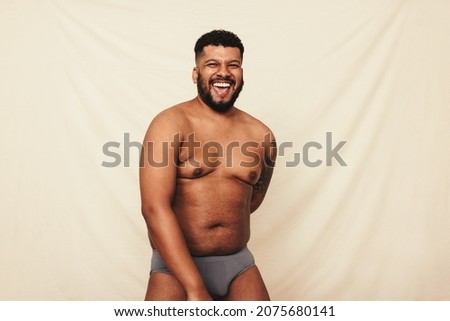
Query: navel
[(252, 175), (214, 226)]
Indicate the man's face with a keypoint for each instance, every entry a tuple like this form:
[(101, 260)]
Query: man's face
[(219, 76)]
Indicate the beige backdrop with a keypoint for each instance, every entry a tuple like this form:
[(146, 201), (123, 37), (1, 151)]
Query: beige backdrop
[(75, 75)]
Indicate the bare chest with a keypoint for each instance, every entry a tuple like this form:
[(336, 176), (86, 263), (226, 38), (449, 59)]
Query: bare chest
[(227, 156)]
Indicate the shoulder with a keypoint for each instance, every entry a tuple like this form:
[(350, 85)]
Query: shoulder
[(170, 123), (174, 114), (263, 132), (173, 118), (255, 124)]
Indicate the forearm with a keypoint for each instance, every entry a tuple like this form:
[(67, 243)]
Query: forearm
[(261, 186), (256, 201), (168, 239)]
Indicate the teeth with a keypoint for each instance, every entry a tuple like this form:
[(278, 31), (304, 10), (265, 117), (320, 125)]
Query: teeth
[(222, 84)]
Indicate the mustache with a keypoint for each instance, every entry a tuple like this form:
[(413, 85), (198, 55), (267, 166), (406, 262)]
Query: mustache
[(225, 79)]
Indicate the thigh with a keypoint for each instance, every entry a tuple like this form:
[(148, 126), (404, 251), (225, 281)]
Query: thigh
[(164, 287), (248, 286)]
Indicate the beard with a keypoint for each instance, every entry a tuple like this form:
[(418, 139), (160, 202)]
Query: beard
[(206, 96)]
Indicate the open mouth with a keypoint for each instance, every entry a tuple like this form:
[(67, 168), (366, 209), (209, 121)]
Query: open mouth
[(221, 87)]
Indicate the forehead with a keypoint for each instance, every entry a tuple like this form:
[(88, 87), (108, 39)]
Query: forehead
[(220, 53)]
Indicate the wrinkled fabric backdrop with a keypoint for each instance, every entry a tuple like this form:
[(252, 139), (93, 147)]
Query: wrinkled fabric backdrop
[(76, 75)]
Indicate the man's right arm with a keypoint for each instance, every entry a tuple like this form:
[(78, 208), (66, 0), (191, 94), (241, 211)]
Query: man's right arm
[(158, 172)]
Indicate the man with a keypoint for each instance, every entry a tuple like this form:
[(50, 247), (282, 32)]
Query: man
[(205, 167)]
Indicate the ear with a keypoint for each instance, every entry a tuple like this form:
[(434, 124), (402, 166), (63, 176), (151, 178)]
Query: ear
[(195, 75)]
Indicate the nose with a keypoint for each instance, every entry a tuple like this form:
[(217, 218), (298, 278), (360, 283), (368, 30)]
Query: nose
[(223, 71)]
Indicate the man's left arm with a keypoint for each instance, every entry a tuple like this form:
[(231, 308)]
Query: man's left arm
[(261, 186)]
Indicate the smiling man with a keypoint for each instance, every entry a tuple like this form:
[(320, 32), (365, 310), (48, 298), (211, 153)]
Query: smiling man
[(205, 167)]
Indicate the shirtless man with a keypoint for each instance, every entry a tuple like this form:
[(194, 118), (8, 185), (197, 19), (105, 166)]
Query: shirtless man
[(205, 167)]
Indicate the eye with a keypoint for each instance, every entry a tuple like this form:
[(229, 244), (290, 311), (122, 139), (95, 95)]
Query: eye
[(234, 66), (212, 64)]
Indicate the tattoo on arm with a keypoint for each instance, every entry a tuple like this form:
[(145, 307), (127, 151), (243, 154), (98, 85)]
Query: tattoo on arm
[(266, 174)]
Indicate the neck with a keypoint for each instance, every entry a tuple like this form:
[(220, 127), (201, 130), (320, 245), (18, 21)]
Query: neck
[(228, 113)]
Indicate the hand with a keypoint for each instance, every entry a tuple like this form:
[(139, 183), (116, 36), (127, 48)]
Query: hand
[(199, 296)]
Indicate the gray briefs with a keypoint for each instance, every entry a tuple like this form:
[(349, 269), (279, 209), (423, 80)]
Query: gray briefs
[(217, 271)]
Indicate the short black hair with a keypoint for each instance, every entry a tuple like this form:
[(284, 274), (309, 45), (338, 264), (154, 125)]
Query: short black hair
[(218, 38)]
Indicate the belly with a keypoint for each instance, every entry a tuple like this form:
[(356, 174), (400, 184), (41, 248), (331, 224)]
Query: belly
[(214, 214)]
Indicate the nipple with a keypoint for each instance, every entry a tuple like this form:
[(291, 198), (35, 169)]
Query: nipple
[(197, 172)]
